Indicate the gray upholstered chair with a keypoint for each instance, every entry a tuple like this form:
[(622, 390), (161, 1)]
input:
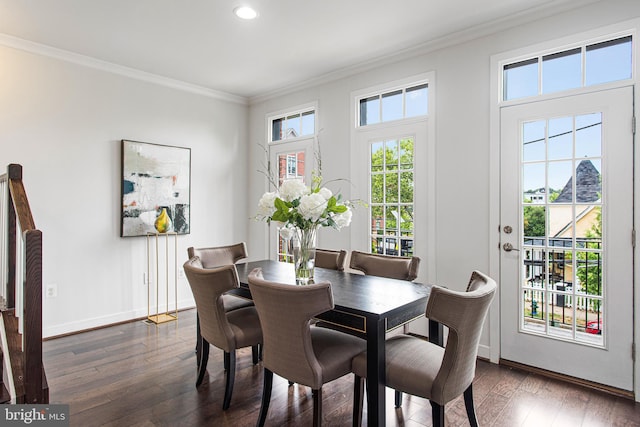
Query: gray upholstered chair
[(223, 255), (393, 267), (334, 260), (420, 368), (227, 330), (293, 348)]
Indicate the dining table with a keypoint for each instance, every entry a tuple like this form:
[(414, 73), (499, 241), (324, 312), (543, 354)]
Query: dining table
[(365, 306)]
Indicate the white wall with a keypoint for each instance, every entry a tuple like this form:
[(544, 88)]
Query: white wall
[(462, 112), (64, 122)]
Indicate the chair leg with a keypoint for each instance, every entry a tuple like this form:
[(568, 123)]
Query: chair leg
[(317, 407), (198, 340), (266, 397), (202, 363), (437, 414), (468, 403), (230, 360), (398, 395), (358, 398), (225, 360), (255, 353)]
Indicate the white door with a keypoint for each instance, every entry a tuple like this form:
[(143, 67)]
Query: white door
[(566, 296), (289, 160)]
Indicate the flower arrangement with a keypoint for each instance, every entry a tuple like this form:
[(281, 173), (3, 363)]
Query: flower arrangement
[(299, 210), (296, 205)]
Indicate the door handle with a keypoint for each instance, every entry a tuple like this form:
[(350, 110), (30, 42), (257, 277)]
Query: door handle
[(508, 247)]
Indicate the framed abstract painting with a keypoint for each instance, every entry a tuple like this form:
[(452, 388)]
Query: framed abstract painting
[(156, 189)]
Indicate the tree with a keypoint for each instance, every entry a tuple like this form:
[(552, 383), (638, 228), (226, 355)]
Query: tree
[(534, 221)]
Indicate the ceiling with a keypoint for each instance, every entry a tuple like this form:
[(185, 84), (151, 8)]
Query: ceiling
[(202, 43)]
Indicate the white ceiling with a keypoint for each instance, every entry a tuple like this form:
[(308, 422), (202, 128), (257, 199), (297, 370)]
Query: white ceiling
[(201, 42)]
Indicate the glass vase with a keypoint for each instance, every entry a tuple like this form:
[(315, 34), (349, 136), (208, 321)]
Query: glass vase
[(304, 254)]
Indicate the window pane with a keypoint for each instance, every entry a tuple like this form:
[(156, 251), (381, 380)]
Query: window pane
[(370, 111), (308, 123), (533, 183), (406, 187), (521, 79), (609, 61), (391, 187), (392, 106), (533, 141), (561, 138), (416, 101), (377, 220), (377, 157), (392, 155), (562, 71), (377, 182), (589, 135), (293, 126), (276, 129), (560, 176), (406, 153)]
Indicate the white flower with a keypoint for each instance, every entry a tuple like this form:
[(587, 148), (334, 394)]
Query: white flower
[(312, 206), (325, 192), (343, 219), (286, 233), (266, 205), (292, 189)]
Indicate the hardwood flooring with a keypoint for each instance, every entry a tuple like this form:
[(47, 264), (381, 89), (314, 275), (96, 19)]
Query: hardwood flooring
[(139, 374)]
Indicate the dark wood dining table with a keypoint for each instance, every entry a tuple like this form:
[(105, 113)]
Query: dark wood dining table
[(366, 306)]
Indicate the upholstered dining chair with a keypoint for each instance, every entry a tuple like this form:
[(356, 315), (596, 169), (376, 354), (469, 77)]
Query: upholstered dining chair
[(423, 369), (392, 267), (227, 330), (223, 255), (293, 348), (334, 260)]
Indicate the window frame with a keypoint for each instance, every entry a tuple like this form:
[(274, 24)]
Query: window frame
[(300, 111), (424, 169), (537, 55), (380, 92)]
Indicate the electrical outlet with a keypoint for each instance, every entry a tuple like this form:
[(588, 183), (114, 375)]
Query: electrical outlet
[(181, 273), (51, 291), (145, 279)]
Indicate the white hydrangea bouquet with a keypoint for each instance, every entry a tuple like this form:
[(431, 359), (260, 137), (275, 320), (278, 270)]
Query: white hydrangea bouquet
[(299, 210), (296, 205)]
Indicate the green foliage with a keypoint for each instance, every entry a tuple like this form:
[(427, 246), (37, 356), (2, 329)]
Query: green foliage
[(534, 221)]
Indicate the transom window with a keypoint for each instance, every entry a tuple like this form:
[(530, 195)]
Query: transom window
[(292, 125), (393, 105), (587, 65)]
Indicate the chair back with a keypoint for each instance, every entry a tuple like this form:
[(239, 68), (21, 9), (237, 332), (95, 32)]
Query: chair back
[(393, 267), (219, 255), (208, 285), (464, 314), (334, 260), (285, 313)]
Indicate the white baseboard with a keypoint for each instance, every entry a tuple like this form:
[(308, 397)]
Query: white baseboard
[(49, 331)]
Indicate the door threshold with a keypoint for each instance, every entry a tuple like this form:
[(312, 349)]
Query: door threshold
[(569, 379)]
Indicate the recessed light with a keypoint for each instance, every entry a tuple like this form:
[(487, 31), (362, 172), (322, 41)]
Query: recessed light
[(245, 12)]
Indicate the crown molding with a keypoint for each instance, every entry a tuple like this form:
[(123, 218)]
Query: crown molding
[(87, 61), (548, 8)]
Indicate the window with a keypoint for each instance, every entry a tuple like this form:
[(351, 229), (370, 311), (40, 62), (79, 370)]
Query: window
[(393, 105), (293, 125), (391, 197), (587, 65)]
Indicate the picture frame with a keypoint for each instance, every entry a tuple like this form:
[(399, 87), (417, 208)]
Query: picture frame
[(154, 178)]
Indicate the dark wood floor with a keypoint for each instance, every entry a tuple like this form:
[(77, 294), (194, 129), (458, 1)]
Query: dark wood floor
[(137, 374)]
